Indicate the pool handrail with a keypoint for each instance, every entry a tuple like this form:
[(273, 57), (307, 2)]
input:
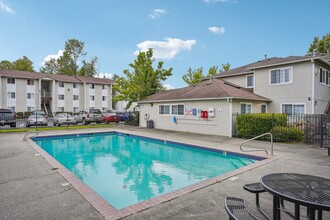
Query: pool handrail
[(271, 140)]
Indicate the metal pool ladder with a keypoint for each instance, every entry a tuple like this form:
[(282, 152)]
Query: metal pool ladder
[(271, 141), (30, 132)]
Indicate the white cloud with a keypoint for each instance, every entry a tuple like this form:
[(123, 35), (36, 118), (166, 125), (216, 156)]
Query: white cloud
[(50, 56), (168, 86), (157, 13), (219, 1), (217, 30), (165, 49), (107, 75), (6, 8)]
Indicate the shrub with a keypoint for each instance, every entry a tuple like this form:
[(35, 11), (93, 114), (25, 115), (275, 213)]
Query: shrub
[(251, 125), (287, 134)]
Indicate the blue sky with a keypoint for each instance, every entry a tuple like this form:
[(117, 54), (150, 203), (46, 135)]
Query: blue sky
[(183, 33)]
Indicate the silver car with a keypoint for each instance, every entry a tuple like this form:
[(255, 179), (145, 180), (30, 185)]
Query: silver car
[(63, 119), (36, 120)]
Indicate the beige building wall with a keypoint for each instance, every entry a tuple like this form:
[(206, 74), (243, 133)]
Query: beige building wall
[(98, 96), (220, 124), (297, 92), (3, 92), (322, 92), (238, 80), (21, 96), (68, 96)]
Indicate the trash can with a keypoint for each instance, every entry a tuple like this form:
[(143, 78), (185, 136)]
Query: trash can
[(150, 124)]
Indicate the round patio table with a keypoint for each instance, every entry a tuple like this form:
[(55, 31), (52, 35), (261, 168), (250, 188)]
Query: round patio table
[(302, 190)]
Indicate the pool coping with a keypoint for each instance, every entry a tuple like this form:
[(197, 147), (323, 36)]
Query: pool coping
[(110, 212)]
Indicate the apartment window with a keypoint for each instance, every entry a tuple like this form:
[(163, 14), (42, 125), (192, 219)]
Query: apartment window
[(61, 109), (30, 109), (177, 109), (104, 98), (60, 97), (246, 108), (30, 95), (91, 97), (293, 109), (250, 81), (61, 84), (75, 85), (91, 86), (11, 95), (75, 97), (11, 80), (281, 76), (75, 109), (104, 87), (12, 107), (324, 76), (164, 109), (263, 108), (30, 82)]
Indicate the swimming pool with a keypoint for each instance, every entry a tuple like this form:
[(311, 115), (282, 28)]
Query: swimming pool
[(126, 169)]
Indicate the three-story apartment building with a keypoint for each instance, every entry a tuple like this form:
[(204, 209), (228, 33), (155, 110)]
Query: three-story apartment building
[(28, 91)]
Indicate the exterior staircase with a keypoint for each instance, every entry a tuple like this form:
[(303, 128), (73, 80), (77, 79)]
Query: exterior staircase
[(327, 110)]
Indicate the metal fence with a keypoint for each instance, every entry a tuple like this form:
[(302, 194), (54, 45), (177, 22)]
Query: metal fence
[(315, 129), (20, 121)]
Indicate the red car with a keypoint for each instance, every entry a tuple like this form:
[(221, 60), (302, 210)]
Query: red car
[(109, 117)]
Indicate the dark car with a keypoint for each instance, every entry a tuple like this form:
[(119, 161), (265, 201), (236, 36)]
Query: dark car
[(7, 117)]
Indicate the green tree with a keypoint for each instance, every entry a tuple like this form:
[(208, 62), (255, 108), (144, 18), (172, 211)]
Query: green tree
[(5, 64), (320, 45), (192, 77), (68, 63), (23, 64), (225, 67), (142, 81), (213, 71)]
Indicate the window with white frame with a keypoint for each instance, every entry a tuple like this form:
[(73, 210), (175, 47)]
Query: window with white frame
[(30, 82), (75, 109), (91, 97), (60, 97), (60, 84), (61, 109), (293, 109), (91, 86), (104, 87), (12, 107), (246, 108), (263, 108), (75, 85), (250, 81), (324, 76), (104, 98), (11, 95), (75, 97), (11, 80), (30, 109), (30, 95), (177, 109), (281, 76), (164, 109)]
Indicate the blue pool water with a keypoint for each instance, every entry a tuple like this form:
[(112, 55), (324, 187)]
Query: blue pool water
[(126, 169)]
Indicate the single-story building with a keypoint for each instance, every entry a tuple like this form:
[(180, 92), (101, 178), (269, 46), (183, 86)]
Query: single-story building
[(205, 108)]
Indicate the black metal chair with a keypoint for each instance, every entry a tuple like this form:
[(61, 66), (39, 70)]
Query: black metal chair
[(256, 188), (237, 209)]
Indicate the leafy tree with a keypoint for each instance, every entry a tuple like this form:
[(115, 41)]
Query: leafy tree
[(320, 45), (68, 63), (213, 71), (23, 64), (225, 67), (143, 81), (5, 64), (193, 76)]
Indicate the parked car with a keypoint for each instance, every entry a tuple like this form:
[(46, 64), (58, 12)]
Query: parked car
[(110, 117), (7, 117), (36, 120), (63, 118), (88, 116), (39, 112)]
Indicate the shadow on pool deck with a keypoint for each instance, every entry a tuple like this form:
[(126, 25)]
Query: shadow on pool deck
[(31, 189)]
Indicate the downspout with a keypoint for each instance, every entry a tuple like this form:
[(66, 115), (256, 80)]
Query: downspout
[(313, 85), (230, 116)]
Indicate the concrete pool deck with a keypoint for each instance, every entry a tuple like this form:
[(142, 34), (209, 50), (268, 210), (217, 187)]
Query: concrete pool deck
[(30, 188)]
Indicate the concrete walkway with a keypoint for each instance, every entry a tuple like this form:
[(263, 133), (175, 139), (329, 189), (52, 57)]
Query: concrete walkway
[(31, 189)]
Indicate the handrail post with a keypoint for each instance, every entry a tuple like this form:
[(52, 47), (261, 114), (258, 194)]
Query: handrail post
[(271, 140)]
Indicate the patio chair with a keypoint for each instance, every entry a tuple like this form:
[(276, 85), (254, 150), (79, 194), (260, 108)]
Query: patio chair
[(237, 209)]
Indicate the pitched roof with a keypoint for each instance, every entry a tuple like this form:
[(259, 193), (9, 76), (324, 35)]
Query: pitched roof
[(57, 77), (249, 68), (215, 89), (94, 80)]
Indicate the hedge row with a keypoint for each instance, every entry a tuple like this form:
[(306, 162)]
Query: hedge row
[(287, 134)]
